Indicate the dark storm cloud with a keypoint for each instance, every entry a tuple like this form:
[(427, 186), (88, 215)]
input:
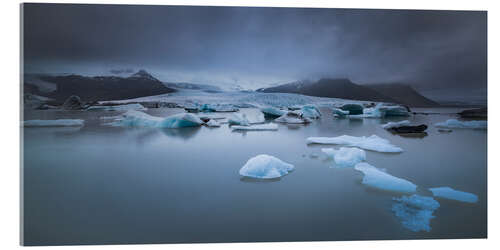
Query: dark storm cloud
[(259, 46)]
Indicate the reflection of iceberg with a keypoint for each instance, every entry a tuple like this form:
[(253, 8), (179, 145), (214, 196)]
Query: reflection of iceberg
[(346, 157), (54, 123), (265, 167), (454, 123), (452, 194), (390, 125), (373, 142), (415, 211), (259, 127), (124, 107), (183, 133), (379, 179), (134, 118)]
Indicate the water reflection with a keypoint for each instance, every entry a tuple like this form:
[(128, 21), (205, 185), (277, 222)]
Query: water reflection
[(183, 133), (257, 180)]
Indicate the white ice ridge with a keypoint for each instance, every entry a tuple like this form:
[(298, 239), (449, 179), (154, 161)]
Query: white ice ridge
[(379, 179), (390, 125), (239, 119), (373, 143), (346, 157), (258, 127), (54, 123), (265, 167), (134, 118), (212, 123), (415, 211), (454, 123), (124, 107), (452, 194)]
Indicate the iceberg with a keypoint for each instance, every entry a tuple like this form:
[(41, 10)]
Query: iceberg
[(379, 179), (454, 123), (380, 111), (124, 107), (390, 125), (373, 143), (255, 118), (259, 127), (396, 110), (292, 117), (265, 167), (346, 157), (310, 111), (133, 118), (415, 211), (212, 123), (353, 109), (54, 123), (339, 112), (452, 194), (239, 119), (217, 108), (273, 112)]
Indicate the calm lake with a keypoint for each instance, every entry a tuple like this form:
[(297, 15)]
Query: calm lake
[(107, 185)]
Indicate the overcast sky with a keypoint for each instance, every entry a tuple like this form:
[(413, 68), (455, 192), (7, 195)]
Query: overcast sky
[(256, 47)]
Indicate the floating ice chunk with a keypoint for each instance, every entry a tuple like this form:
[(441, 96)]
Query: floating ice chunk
[(210, 116), (254, 118), (339, 112), (373, 143), (239, 119), (415, 211), (454, 123), (353, 109), (259, 127), (124, 107), (292, 117), (212, 123), (217, 108), (379, 179), (134, 118), (390, 125), (380, 110), (265, 167), (310, 111), (54, 123), (346, 157), (452, 194), (374, 112), (395, 110), (273, 112)]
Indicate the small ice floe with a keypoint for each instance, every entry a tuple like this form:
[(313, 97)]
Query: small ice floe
[(265, 167), (292, 117), (376, 178), (373, 143), (212, 123), (454, 123), (124, 107), (273, 112), (54, 123), (452, 194), (415, 211), (134, 118), (390, 125), (258, 127), (239, 119), (211, 116), (310, 111), (339, 112), (345, 157)]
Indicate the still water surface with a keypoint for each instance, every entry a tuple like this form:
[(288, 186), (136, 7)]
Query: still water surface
[(107, 185)]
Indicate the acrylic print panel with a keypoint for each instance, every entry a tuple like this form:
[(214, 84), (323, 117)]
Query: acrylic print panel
[(177, 124)]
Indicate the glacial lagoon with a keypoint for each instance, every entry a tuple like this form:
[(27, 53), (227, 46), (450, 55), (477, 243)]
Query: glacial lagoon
[(101, 184)]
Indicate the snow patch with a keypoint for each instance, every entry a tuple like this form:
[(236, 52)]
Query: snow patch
[(373, 143), (265, 167)]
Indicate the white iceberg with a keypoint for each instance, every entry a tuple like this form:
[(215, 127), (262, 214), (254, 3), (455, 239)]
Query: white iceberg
[(211, 116), (239, 119), (265, 167), (381, 110), (379, 179), (339, 112), (259, 127), (134, 118), (415, 211), (212, 123), (390, 125), (452, 194), (217, 108), (454, 123), (255, 118), (373, 143), (124, 107), (346, 157), (310, 111), (54, 123), (273, 112), (292, 117)]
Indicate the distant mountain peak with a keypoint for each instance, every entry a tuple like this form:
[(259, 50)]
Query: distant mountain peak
[(144, 74)]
